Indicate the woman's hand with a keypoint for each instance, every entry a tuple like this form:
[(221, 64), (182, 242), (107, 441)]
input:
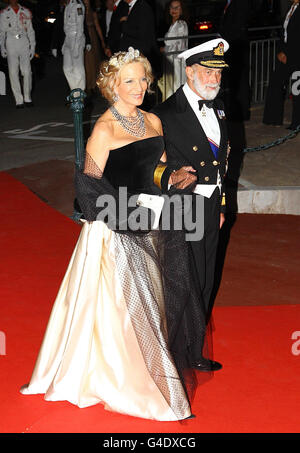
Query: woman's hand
[(183, 177)]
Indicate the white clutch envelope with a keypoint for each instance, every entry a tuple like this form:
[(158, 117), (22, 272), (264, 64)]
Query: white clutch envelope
[(153, 202)]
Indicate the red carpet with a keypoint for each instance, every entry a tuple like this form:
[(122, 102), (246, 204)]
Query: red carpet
[(257, 390), (262, 261)]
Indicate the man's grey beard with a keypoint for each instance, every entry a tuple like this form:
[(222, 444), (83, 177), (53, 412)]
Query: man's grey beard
[(206, 93)]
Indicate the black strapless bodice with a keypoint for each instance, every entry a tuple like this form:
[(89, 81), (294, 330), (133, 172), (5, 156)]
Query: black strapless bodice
[(133, 165)]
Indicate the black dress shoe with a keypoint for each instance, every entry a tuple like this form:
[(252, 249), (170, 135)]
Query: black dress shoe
[(207, 365), (28, 104), (19, 106)]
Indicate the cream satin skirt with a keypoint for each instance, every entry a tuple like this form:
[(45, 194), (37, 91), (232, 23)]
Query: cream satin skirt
[(92, 352)]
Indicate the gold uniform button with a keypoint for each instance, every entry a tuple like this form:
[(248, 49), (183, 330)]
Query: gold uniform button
[(195, 148), (215, 162), (202, 163), (206, 178)]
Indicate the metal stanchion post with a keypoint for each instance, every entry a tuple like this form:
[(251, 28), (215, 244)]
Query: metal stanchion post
[(76, 99)]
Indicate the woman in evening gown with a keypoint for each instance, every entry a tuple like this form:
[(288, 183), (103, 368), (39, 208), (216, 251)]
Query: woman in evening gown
[(117, 333)]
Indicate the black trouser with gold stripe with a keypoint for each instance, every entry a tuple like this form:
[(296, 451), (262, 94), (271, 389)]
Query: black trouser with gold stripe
[(204, 257)]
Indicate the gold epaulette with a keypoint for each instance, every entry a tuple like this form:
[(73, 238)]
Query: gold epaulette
[(158, 172)]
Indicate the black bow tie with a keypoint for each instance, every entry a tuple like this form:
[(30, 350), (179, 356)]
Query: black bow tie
[(209, 104)]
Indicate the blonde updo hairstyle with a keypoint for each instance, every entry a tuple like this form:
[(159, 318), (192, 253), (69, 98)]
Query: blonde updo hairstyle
[(110, 71)]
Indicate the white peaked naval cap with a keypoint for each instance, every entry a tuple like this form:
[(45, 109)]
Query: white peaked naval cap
[(209, 54)]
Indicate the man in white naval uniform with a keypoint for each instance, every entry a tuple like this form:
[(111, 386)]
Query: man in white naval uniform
[(17, 41), (74, 44)]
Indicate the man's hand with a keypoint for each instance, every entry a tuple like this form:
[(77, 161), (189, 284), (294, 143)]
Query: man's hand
[(182, 178), (281, 56), (222, 219)]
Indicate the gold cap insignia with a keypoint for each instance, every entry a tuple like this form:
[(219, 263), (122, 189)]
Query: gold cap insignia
[(219, 50)]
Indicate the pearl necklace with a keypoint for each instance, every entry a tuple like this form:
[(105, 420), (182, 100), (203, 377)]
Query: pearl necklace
[(134, 125)]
